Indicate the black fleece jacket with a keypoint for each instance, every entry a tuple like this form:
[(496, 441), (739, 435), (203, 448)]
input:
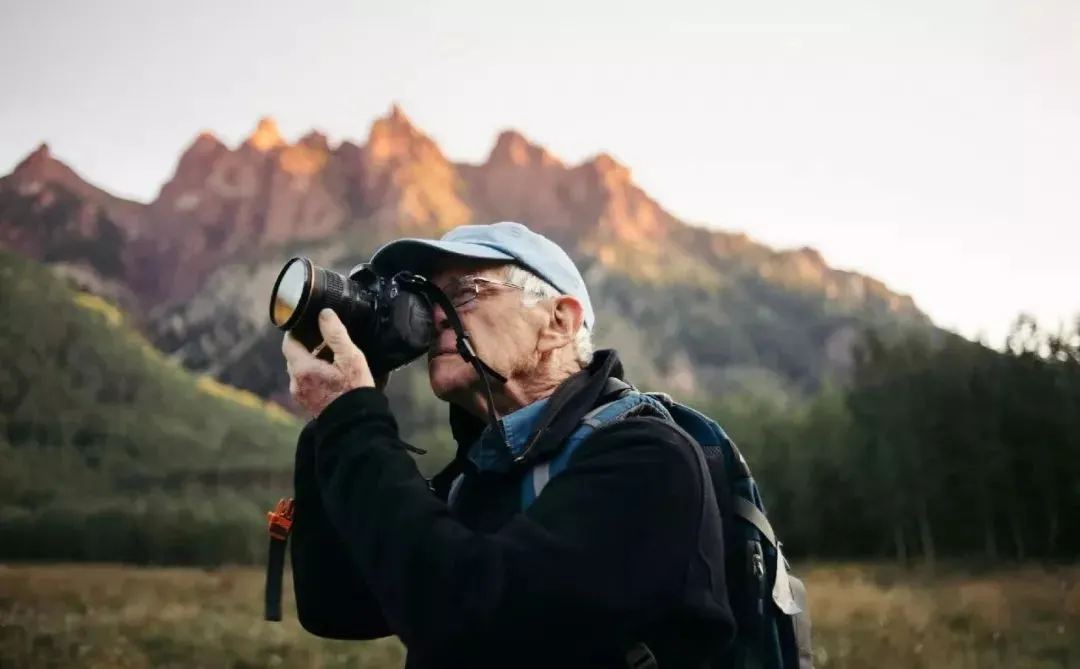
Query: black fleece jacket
[(623, 546)]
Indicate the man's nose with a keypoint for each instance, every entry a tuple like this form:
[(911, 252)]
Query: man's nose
[(439, 316)]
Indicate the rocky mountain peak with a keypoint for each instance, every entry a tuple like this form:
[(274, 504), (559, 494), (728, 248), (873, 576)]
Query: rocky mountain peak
[(266, 136), (41, 173), (207, 138), (393, 129), (401, 180), (40, 167), (514, 149), (611, 171), (398, 116), (222, 201), (48, 211), (39, 159), (315, 140), (810, 255)]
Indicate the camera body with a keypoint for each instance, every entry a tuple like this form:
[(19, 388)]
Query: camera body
[(390, 318)]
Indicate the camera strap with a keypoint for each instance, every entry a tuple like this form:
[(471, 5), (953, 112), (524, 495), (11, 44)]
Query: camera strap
[(466, 350)]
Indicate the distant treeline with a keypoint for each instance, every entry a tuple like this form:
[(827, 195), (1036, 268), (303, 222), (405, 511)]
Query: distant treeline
[(936, 450), (197, 526), (117, 535)]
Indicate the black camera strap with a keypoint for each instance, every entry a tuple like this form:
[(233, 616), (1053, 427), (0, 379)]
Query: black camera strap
[(467, 351), (464, 343)]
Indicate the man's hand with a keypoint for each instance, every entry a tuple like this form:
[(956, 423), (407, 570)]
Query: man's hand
[(315, 383)]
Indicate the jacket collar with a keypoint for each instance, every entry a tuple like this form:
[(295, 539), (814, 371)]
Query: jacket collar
[(539, 427), (489, 453)]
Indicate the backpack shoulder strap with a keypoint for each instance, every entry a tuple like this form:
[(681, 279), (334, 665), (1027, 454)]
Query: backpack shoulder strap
[(779, 641), (628, 403)]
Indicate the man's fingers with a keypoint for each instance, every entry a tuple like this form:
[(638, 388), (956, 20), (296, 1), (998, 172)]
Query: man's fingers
[(347, 356), (335, 335), (293, 350), (299, 361)]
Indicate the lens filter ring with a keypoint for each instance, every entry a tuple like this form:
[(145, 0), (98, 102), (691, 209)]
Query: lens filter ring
[(291, 293)]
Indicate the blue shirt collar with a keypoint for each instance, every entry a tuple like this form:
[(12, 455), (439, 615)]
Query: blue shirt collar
[(489, 453)]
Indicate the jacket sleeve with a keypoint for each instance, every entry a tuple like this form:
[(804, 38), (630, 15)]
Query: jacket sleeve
[(332, 599), (614, 540)]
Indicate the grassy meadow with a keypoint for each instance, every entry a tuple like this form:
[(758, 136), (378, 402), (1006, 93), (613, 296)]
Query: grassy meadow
[(114, 616)]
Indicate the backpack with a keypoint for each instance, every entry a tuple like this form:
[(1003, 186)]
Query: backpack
[(769, 603)]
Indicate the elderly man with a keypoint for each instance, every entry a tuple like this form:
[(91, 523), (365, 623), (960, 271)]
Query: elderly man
[(617, 561)]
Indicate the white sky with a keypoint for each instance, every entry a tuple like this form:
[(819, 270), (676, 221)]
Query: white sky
[(934, 145)]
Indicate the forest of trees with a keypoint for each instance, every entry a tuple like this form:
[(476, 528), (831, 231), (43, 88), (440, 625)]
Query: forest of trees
[(935, 451)]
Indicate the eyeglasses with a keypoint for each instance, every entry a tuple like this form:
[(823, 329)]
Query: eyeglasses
[(467, 288)]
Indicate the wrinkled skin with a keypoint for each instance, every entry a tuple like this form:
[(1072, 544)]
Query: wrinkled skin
[(532, 346)]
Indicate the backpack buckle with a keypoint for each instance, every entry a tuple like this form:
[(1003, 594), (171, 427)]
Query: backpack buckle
[(281, 518), (279, 524)]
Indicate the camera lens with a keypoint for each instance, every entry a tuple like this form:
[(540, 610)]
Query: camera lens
[(303, 289), (293, 287), (388, 320)]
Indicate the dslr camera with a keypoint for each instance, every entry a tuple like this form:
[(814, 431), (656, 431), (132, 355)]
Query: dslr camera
[(390, 318)]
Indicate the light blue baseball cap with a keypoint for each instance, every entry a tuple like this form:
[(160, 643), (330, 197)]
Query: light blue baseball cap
[(505, 240)]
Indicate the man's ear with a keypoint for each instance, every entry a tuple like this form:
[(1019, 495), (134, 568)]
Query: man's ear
[(566, 317)]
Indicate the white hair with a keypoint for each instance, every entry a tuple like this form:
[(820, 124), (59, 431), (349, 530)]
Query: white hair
[(536, 289)]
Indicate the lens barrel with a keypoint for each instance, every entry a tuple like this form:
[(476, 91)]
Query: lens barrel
[(303, 289)]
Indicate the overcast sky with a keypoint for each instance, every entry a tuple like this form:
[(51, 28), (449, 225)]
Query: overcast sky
[(935, 145)]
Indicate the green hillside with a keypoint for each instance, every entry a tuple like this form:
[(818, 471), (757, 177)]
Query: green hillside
[(108, 449)]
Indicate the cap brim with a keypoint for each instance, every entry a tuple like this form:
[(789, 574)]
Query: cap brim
[(420, 255)]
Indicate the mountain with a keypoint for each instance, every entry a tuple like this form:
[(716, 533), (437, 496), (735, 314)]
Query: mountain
[(48, 212), (695, 310)]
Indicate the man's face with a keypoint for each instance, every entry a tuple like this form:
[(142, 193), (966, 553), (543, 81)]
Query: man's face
[(504, 331)]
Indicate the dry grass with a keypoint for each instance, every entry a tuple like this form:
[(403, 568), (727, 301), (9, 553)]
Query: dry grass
[(126, 617), (881, 617), (105, 616)]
